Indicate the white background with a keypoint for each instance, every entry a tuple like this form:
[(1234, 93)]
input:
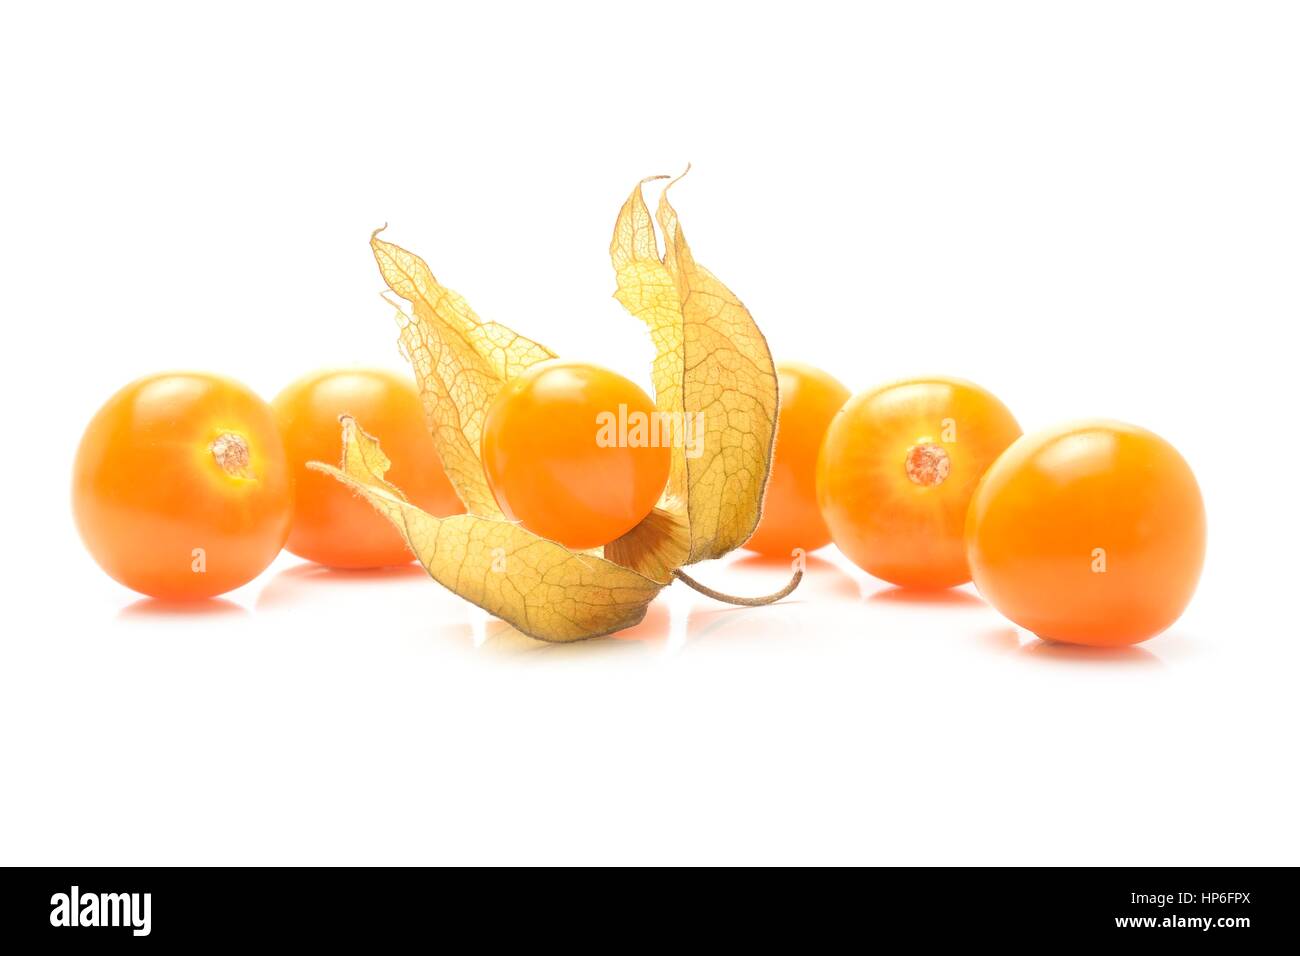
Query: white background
[(1091, 209)]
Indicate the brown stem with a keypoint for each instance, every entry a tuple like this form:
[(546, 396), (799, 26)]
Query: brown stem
[(690, 582)]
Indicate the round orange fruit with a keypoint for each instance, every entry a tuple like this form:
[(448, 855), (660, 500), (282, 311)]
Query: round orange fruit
[(897, 470), (1089, 533)]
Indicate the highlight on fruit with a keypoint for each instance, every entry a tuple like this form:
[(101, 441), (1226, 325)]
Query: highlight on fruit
[(561, 497)]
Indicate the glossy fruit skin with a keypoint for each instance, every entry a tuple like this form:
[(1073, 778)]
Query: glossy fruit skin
[(1057, 496), (548, 470), (897, 470), (331, 525), (152, 500), (791, 519)]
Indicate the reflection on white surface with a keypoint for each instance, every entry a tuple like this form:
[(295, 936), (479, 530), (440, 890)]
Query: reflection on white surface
[(832, 605), (941, 598), (1057, 653), (307, 581), (503, 640), (148, 607), (1003, 639), (375, 716)]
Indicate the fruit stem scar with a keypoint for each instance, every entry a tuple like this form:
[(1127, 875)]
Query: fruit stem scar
[(927, 464), (231, 452)]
